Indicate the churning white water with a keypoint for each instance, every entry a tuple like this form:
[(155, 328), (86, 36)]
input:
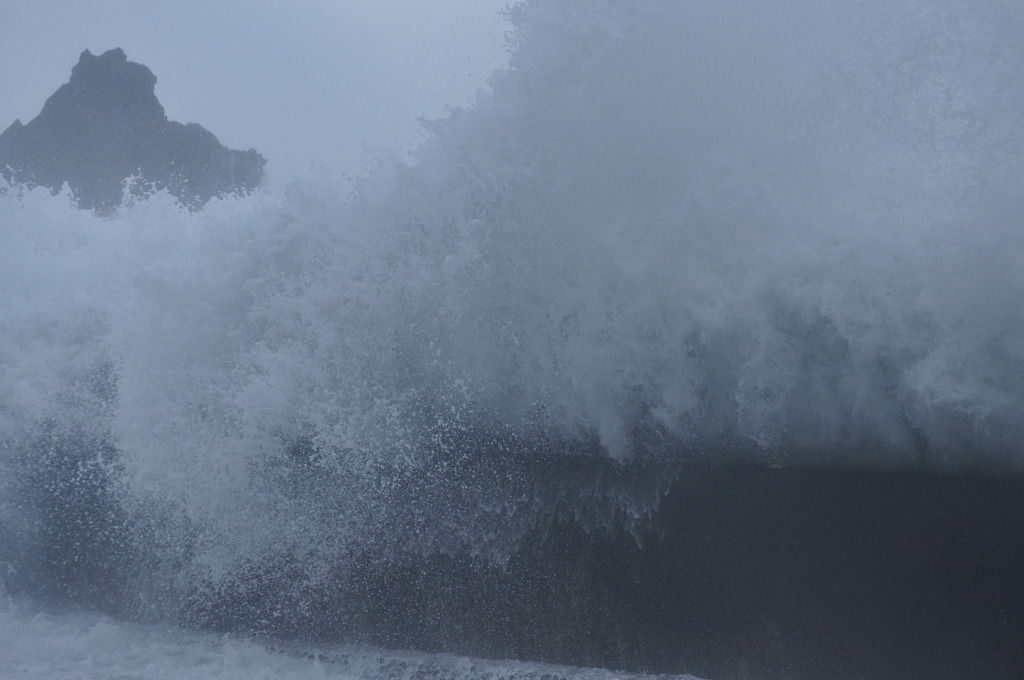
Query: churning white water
[(788, 232), (39, 646)]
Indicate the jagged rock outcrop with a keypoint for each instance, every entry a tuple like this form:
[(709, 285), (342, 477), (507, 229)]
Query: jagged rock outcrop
[(106, 125)]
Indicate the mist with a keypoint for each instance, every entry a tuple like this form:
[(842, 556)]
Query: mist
[(315, 86), (689, 340)]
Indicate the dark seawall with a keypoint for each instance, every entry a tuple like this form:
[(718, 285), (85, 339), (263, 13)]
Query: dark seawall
[(744, 572)]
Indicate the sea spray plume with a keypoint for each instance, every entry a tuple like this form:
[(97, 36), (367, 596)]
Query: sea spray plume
[(669, 230), (722, 227)]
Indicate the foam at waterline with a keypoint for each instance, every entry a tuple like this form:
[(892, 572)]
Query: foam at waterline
[(789, 231), (43, 646), (51, 646)]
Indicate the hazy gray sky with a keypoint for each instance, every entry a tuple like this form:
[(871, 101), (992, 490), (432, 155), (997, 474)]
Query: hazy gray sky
[(305, 81)]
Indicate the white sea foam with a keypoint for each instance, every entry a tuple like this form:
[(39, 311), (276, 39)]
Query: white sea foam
[(51, 647), (35, 645)]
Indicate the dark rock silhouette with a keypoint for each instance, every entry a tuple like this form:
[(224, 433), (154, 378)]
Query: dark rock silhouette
[(105, 125)]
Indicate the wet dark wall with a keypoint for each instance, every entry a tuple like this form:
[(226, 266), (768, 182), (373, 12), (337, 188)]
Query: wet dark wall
[(744, 572), (802, 574)]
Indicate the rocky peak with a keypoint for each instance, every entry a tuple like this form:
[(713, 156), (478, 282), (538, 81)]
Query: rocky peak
[(105, 125), (109, 84)]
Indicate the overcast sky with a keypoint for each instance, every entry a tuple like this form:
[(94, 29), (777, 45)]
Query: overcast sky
[(305, 82)]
